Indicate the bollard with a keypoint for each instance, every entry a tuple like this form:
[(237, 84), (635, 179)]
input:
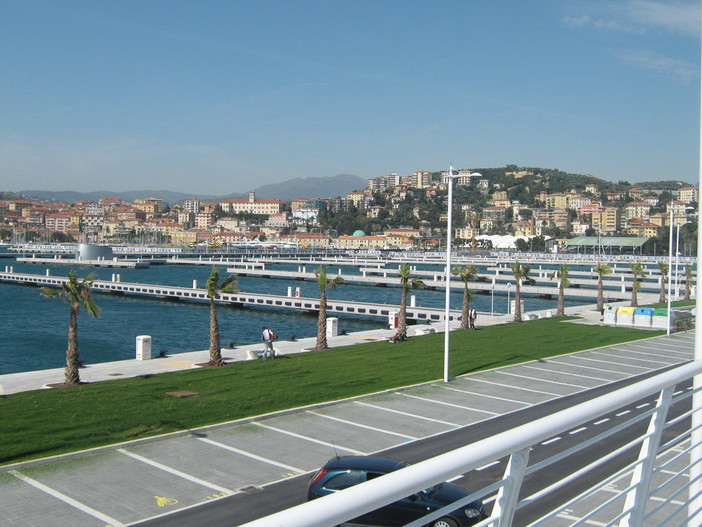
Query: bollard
[(289, 291), (143, 347), (194, 284), (297, 292), (413, 300), (332, 327), (48, 272)]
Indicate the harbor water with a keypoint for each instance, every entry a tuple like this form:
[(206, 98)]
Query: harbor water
[(34, 328)]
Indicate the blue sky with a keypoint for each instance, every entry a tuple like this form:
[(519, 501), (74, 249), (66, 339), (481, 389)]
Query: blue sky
[(222, 96)]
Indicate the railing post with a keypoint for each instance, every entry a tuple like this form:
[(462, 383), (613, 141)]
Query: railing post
[(506, 501), (636, 498)]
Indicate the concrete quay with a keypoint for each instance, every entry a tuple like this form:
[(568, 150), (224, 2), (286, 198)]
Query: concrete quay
[(145, 481), (105, 371)]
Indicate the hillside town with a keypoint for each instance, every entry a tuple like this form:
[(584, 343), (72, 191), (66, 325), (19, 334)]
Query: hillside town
[(512, 208)]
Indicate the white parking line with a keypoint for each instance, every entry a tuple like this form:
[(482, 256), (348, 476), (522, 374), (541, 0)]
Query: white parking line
[(517, 387), (601, 421), (252, 456), (654, 363), (578, 430), (658, 362), (545, 380), (310, 439), (570, 517), (434, 401), (623, 413), (67, 500), (626, 364), (540, 368), (375, 429), (606, 363), (407, 414), (481, 395), (580, 366), (175, 472)]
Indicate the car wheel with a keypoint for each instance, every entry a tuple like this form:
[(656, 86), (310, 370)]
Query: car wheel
[(444, 522)]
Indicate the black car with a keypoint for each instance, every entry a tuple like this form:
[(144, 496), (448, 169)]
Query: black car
[(343, 472)]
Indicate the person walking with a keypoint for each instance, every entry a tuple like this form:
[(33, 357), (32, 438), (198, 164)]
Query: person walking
[(267, 336), (472, 315)]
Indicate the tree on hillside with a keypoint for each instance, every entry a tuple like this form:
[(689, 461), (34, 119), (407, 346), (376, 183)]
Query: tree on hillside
[(407, 281), (521, 274), (639, 274), (324, 282), (664, 268), (562, 275), (467, 273), (214, 288), (601, 270), (76, 292)]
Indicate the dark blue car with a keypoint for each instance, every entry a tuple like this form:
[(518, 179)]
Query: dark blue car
[(343, 472)]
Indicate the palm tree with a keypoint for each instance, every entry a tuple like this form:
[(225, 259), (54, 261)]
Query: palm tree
[(638, 272), (521, 274), (467, 273), (688, 282), (324, 282), (407, 281), (601, 270), (664, 268), (214, 288), (562, 275), (75, 292)]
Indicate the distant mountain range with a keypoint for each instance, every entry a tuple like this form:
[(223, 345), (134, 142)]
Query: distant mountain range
[(311, 187)]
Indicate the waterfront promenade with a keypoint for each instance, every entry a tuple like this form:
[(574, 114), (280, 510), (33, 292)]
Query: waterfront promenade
[(144, 480)]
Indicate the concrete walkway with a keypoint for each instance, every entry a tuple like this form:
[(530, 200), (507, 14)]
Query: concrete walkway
[(36, 380)]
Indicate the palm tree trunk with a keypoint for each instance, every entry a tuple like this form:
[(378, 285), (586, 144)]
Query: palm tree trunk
[(517, 302), (464, 310), (560, 311), (72, 375), (634, 299), (661, 295), (402, 329), (322, 322), (215, 349), (600, 295)]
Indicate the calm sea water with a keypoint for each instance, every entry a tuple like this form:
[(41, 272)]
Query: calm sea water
[(34, 328)]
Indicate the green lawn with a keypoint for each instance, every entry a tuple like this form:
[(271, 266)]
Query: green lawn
[(48, 422)]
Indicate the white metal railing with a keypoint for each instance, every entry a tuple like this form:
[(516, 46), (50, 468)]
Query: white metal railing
[(665, 443)]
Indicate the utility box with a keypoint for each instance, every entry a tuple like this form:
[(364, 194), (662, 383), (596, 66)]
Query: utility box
[(143, 347), (394, 320), (332, 327)]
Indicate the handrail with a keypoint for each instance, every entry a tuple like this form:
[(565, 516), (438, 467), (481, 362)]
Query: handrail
[(352, 502)]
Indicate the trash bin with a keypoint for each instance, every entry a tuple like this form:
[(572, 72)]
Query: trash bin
[(625, 316), (643, 316)]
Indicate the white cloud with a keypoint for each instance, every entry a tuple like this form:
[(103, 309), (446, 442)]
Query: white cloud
[(680, 69), (640, 16), (681, 17)]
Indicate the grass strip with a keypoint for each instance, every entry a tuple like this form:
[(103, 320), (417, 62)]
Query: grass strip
[(48, 422)]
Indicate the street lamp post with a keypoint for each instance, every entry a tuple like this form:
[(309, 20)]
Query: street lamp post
[(670, 269), (449, 228)]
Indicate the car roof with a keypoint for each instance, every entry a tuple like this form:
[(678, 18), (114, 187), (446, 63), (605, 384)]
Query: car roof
[(365, 463)]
